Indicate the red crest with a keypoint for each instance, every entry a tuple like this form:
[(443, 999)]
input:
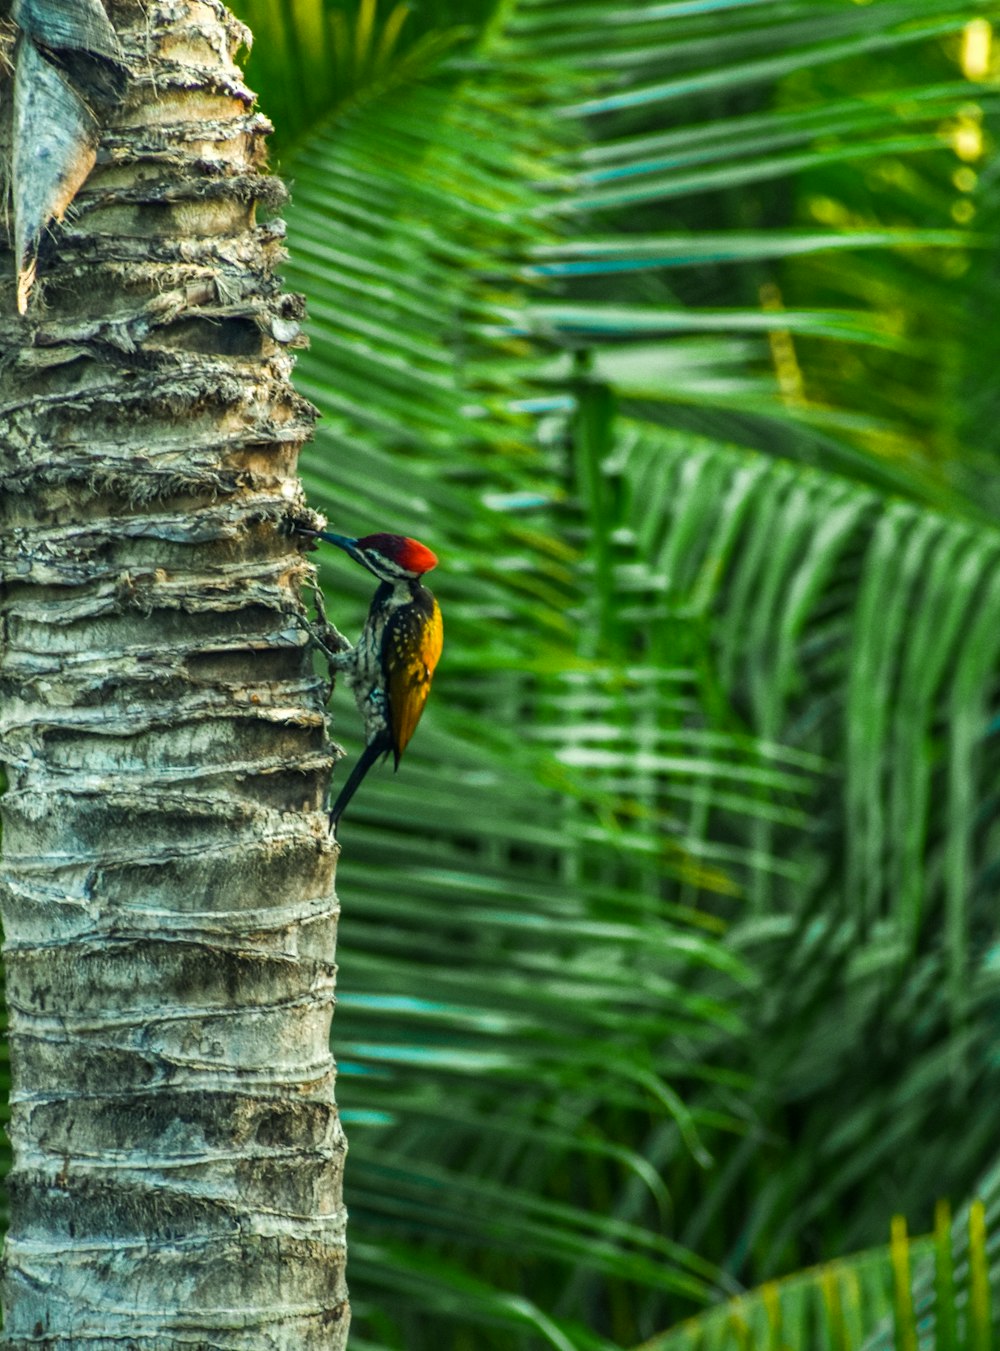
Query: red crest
[(408, 553)]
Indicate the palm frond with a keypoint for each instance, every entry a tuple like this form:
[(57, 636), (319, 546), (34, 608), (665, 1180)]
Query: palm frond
[(743, 122), (503, 907), (318, 58), (925, 1294), (928, 1294), (608, 966)]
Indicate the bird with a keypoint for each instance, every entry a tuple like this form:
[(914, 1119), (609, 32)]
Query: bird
[(391, 667)]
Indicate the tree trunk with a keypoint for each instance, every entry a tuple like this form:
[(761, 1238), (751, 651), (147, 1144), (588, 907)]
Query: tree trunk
[(167, 879)]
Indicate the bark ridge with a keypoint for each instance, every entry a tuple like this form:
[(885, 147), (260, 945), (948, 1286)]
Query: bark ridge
[(167, 880)]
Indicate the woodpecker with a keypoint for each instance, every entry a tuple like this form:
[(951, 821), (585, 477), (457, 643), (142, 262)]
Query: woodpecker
[(391, 668)]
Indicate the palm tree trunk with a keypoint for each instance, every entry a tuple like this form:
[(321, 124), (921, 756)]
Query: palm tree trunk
[(167, 878)]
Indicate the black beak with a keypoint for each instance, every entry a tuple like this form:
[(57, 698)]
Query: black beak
[(349, 546)]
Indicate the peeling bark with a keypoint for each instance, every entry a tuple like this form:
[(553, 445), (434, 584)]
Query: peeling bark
[(167, 874), (68, 52)]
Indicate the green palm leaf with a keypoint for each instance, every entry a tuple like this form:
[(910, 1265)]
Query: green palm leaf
[(931, 1293), (606, 977)]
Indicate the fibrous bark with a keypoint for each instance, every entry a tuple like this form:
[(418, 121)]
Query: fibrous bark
[(167, 874), (68, 56)]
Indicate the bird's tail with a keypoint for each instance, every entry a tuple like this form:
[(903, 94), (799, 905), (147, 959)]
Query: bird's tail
[(381, 745)]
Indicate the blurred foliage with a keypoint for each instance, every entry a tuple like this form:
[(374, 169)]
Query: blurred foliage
[(930, 1294), (668, 962), (321, 58)]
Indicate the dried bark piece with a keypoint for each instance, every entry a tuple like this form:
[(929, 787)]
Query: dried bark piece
[(68, 54), (55, 145), (77, 25)]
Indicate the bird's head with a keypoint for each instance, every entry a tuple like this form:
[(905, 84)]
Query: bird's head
[(392, 558)]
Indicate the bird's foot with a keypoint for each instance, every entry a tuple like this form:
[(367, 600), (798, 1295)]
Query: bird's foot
[(326, 636), (334, 641), (330, 641)]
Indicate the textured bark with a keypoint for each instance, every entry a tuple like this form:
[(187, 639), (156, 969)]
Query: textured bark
[(167, 874)]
